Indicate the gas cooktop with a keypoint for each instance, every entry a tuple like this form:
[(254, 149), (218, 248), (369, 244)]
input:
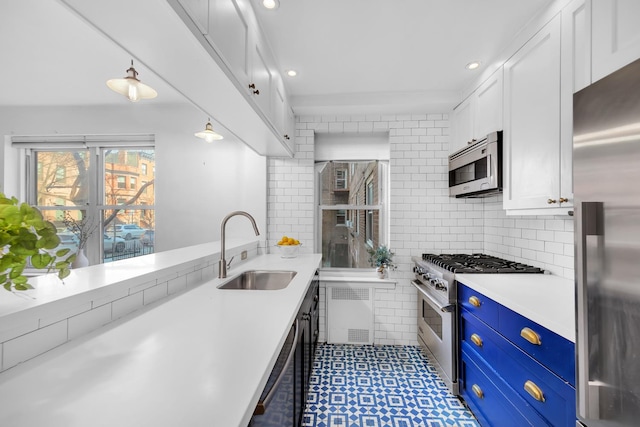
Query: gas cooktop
[(478, 263)]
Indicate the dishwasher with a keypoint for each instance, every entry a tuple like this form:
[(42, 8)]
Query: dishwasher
[(276, 407)]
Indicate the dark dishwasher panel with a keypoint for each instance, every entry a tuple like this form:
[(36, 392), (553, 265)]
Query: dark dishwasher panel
[(276, 407)]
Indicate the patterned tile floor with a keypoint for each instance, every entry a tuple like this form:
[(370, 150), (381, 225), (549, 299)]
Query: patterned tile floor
[(379, 386)]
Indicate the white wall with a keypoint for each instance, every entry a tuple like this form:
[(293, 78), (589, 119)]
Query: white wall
[(197, 183), (423, 217)]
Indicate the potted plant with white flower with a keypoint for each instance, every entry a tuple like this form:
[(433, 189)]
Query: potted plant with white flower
[(82, 229)]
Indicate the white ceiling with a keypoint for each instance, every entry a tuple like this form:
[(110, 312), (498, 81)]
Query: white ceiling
[(351, 55), (363, 52), (52, 57)]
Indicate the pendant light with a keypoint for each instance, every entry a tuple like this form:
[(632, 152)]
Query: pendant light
[(208, 134), (271, 4), (131, 87)]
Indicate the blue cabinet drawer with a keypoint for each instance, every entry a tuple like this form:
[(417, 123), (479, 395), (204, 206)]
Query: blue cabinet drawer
[(485, 341), (555, 352), (547, 393), (474, 302), (484, 392)]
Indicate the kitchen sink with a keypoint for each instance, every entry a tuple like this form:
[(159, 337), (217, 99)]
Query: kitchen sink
[(263, 280)]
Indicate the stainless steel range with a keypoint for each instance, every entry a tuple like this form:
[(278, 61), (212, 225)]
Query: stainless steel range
[(436, 285)]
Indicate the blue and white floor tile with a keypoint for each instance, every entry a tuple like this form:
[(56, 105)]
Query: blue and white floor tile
[(379, 386)]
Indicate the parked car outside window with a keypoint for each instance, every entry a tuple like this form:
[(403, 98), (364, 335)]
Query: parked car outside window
[(127, 231), (112, 244)]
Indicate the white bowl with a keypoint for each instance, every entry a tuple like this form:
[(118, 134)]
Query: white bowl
[(289, 251)]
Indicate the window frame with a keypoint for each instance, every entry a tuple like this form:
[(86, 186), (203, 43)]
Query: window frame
[(96, 171), (382, 207)]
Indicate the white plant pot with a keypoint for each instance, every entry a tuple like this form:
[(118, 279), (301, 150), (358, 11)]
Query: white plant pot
[(81, 260)]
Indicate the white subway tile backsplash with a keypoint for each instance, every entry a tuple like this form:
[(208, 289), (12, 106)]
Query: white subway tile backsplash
[(64, 314), (126, 305), (89, 321), (32, 344), (155, 293), (11, 331)]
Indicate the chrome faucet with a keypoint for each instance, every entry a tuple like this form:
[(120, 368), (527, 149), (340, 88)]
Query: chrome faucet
[(222, 265)]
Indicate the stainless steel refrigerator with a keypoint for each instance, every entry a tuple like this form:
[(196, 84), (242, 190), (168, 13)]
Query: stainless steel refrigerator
[(606, 168)]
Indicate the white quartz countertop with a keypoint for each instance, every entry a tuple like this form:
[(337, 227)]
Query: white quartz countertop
[(546, 299), (201, 358)]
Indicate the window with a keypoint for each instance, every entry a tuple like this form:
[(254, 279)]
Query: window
[(143, 169), (346, 207), (370, 216), (341, 179), (89, 180)]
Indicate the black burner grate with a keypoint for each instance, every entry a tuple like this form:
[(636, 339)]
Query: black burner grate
[(478, 263)]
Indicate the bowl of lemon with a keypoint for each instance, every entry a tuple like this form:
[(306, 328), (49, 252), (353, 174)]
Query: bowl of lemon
[(288, 247)]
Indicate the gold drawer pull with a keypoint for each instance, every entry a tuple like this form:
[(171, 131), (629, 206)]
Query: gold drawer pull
[(475, 338), (477, 390), (474, 301), (535, 392), (530, 336)]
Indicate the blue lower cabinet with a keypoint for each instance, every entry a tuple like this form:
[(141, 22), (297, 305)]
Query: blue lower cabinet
[(486, 394), (542, 393)]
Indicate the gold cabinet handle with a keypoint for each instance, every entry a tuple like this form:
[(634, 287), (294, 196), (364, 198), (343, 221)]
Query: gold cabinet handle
[(530, 336), (475, 338), (535, 392), (551, 201), (477, 390), (563, 200), (474, 301)]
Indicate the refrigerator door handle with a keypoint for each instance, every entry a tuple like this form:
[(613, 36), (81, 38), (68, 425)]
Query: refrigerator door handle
[(589, 261)]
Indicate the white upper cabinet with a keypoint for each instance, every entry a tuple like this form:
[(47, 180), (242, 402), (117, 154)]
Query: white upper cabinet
[(261, 77), (479, 114), (532, 122), (229, 33), (576, 47), (198, 10), (616, 35), (462, 124), (488, 106)]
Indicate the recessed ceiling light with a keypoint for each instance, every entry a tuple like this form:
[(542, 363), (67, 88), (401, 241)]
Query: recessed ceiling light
[(472, 65), (292, 73), (271, 4)]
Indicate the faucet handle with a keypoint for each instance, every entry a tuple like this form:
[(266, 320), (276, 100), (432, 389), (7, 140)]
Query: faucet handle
[(229, 263)]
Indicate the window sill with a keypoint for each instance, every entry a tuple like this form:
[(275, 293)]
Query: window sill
[(356, 278)]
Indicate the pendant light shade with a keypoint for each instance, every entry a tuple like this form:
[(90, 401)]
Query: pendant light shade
[(208, 134), (131, 87)]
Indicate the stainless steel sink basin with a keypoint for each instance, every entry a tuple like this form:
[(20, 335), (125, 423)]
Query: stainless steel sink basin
[(264, 280)]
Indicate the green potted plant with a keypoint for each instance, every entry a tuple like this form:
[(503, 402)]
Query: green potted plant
[(25, 235), (382, 259)]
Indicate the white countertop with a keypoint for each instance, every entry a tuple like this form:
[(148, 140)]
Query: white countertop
[(201, 358), (546, 299)]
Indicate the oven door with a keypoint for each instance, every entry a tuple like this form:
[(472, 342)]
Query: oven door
[(437, 335)]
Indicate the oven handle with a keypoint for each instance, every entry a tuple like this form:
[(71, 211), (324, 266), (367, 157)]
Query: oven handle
[(449, 308)]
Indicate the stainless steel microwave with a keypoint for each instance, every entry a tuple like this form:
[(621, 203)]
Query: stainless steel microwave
[(476, 170)]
